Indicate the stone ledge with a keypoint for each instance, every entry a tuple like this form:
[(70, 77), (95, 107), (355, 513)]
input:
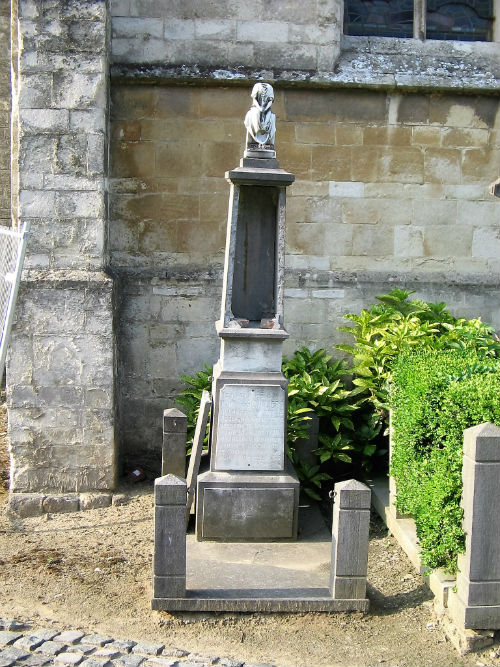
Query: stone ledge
[(210, 277), (204, 602), (65, 278), (27, 505), (381, 63), (361, 71)]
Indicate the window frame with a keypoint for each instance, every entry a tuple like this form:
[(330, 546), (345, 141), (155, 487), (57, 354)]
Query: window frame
[(420, 15)]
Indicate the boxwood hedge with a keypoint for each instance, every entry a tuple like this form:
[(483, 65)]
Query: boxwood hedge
[(435, 396)]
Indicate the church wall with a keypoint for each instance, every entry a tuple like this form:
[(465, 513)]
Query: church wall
[(391, 190)]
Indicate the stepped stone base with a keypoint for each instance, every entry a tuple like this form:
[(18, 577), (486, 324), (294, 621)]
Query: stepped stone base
[(247, 506)]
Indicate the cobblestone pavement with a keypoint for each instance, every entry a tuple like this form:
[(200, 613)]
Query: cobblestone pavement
[(22, 645)]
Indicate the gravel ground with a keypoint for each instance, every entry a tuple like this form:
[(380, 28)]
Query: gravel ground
[(90, 571)]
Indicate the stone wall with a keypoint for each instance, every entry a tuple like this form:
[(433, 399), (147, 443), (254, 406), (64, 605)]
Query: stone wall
[(61, 367), (287, 35), (391, 189), (393, 142), (5, 113)]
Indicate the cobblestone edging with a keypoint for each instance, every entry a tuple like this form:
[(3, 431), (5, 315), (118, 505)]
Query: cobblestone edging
[(22, 645), (35, 504)]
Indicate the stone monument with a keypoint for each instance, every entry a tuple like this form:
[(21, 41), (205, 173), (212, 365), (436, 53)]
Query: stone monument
[(251, 491)]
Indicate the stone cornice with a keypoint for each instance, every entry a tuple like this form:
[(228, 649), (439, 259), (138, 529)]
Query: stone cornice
[(365, 62)]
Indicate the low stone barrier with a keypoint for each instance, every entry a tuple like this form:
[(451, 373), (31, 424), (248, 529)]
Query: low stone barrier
[(476, 602), (26, 505), (471, 602)]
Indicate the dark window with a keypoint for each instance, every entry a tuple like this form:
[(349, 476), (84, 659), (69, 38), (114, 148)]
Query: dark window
[(381, 18), (446, 19), (468, 21)]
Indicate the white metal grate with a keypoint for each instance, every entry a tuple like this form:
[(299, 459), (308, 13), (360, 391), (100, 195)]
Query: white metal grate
[(12, 250)]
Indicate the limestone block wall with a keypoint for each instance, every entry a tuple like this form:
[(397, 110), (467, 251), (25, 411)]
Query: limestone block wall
[(259, 34), (61, 367), (5, 113), (391, 189), (61, 411)]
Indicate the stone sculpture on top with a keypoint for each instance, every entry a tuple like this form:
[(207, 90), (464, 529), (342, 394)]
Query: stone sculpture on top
[(260, 121)]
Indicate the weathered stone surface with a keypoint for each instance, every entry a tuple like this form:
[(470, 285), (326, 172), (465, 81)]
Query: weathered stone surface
[(130, 660), (65, 361), (106, 652), (45, 634), (96, 640), (250, 422), (238, 513), (37, 660), (170, 490), (91, 501), (4, 120), (169, 586), (350, 534), (61, 503), (69, 636), (26, 504), (174, 421), (251, 37), (175, 652), (291, 605), (477, 603), (28, 642), (251, 355), (148, 648), (170, 540), (96, 662), (59, 78), (123, 645), (169, 558), (8, 637), (197, 450), (13, 653), (51, 648), (174, 443), (120, 499), (247, 506), (69, 659), (6, 661)]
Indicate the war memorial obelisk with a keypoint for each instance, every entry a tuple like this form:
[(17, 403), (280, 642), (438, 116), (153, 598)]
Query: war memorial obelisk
[(251, 491)]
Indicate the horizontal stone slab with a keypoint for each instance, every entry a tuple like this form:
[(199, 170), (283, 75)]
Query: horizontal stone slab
[(203, 601)]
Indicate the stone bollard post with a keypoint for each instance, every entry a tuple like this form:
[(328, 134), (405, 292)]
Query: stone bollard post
[(169, 559), (173, 453), (476, 603), (351, 523)]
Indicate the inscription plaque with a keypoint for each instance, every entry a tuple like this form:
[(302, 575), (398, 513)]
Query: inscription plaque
[(250, 428)]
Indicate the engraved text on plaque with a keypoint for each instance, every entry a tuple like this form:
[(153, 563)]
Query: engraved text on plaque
[(250, 427)]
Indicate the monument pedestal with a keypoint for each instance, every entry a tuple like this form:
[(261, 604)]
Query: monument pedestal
[(248, 506), (251, 492)]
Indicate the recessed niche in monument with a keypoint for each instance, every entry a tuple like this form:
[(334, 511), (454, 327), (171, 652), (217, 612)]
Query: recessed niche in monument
[(254, 277)]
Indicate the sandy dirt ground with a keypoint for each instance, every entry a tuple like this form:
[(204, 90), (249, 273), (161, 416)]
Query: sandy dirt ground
[(91, 571)]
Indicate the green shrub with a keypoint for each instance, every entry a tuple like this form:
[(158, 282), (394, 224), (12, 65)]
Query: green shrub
[(397, 323), (435, 396), (318, 384), (190, 398)]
